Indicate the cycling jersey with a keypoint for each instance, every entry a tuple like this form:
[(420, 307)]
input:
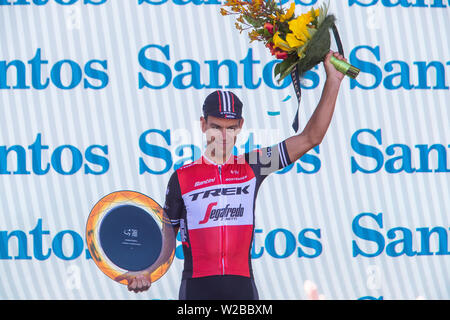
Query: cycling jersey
[(214, 204)]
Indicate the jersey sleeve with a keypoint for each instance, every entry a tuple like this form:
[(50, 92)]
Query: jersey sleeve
[(174, 203), (269, 159)]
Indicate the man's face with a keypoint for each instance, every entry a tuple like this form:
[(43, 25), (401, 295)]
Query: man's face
[(221, 134)]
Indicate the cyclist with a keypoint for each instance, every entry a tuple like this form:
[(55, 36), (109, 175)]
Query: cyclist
[(211, 201)]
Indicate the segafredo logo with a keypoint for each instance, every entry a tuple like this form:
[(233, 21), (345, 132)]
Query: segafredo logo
[(226, 213)]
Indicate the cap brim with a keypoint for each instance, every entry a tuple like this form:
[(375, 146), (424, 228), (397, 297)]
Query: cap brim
[(224, 115)]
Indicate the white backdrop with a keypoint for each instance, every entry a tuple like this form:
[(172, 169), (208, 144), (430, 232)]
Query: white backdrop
[(90, 93)]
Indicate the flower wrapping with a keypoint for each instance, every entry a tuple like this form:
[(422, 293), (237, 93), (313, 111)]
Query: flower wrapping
[(299, 41)]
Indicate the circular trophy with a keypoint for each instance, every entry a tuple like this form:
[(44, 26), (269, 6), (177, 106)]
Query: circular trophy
[(124, 233)]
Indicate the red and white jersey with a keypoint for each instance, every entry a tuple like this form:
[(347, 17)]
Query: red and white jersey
[(214, 206)]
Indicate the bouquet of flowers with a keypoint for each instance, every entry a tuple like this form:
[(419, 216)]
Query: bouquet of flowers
[(301, 42)]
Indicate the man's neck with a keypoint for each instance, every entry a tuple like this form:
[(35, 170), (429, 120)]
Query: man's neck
[(219, 159)]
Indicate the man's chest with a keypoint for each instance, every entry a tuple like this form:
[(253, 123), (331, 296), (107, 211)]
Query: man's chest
[(220, 197), (220, 205)]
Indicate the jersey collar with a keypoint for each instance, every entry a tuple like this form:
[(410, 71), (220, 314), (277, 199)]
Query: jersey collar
[(210, 161)]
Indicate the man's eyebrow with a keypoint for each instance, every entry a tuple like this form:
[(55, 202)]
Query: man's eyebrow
[(216, 125)]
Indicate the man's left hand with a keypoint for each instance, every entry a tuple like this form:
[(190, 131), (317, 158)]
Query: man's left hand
[(331, 71)]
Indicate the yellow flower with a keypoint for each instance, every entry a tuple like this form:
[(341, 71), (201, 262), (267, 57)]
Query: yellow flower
[(299, 28), (311, 15), (293, 41), (289, 13), (280, 43)]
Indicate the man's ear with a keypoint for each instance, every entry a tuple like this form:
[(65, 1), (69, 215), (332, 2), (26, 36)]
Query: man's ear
[(241, 123)]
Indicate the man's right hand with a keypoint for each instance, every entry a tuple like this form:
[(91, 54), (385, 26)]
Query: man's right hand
[(137, 281)]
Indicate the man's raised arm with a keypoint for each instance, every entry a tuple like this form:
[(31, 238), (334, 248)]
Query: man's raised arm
[(319, 122)]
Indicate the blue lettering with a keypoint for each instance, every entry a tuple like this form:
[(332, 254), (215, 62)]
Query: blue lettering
[(301, 2), (310, 159), (37, 234), (289, 240), (250, 145), (36, 65), (20, 72), (405, 159), (77, 159), (57, 245), (366, 67), (248, 63), (180, 2), (193, 75), (371, 298), (76, 72), (311, 76), (96, 159), (399, 163), (402, 244), (214, 69), (36, 156), (254, 254), (403, 3), (21, 159), (179, 151), (96, 74), (368, 234), (154, 66), (21, 245), (425, 235), (18, 2), (423, 75), (40, 82), (403, 75), (367, 151), (69, 2), (196, 2), (306, 158), (95, 2), (44, 2), (151, 2), (405, 241), (371, 3), (268, 76), (40, 168), (309, 243), (154, 151), (425, 154)]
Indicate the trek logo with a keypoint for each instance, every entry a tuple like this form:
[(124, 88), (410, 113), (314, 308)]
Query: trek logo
[(220, 191), (226, 213)]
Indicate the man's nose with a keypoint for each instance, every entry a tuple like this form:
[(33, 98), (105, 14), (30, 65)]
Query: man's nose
[(227, 134)]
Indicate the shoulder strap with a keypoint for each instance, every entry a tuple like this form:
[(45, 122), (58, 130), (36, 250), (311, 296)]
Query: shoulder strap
[(338, 39), (296, 78)]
